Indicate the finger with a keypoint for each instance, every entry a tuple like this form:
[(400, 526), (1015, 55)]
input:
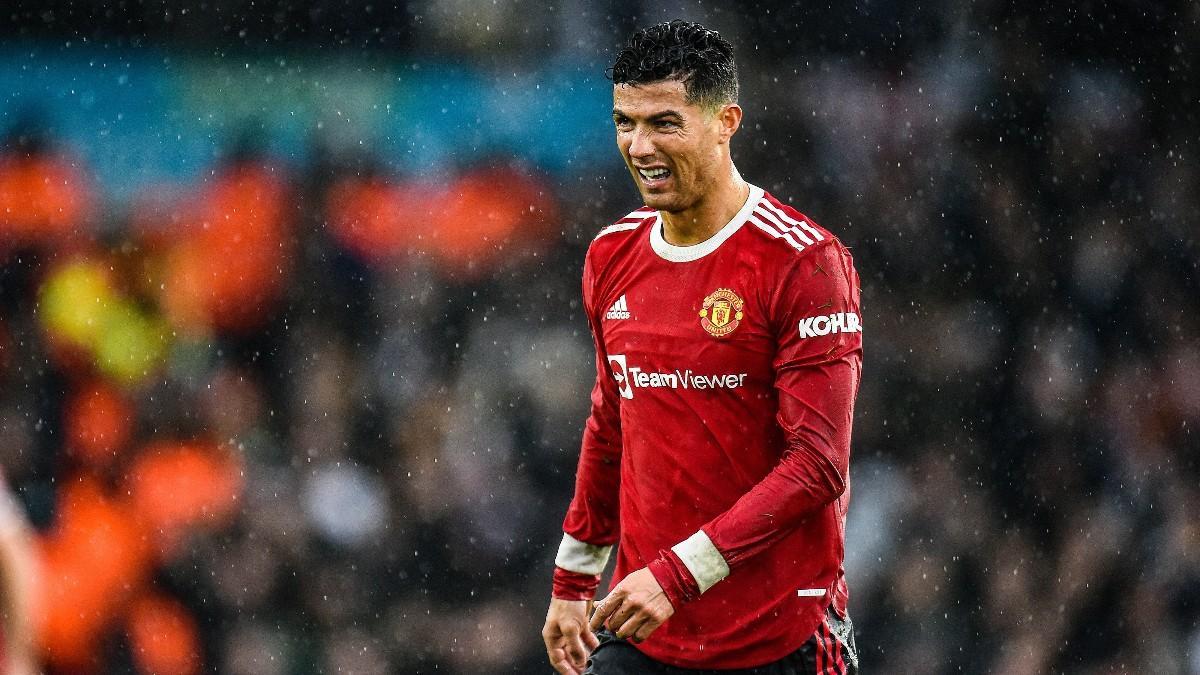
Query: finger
[(577, 655), (561, 662), (646, 629), (629, 626), (565, 667), (590, 639), (603, 609), (574, 646), (618, 618)]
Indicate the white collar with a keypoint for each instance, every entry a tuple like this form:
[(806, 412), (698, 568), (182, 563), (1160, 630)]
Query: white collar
[(668, 251)]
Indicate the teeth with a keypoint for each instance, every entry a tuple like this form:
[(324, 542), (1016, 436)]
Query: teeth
[(652, 174)]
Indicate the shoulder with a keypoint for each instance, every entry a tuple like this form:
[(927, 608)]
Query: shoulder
[(787, 232), (612, 237), (791, 239), (798, 255), (628, 223)]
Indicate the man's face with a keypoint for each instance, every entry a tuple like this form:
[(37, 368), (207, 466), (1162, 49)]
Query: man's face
[(673, 148)]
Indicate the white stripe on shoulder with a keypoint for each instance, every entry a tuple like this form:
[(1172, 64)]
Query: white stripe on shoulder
[(788, 219), (639, 215), (619, 227), (636, 217), (629, 222), (775, 233), (782, 226)]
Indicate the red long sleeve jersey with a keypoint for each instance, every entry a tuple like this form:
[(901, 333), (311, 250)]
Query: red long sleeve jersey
[(720, 426)]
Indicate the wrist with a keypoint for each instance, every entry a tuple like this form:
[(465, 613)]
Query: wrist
[(581, 557), (702, 560), (674, 578), (570, 585)]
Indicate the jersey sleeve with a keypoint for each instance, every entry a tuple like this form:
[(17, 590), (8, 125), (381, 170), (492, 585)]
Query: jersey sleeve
[(817, 365), (591, 526)]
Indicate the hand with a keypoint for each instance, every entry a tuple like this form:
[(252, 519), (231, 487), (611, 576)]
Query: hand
[(567, 636), (635, 608)]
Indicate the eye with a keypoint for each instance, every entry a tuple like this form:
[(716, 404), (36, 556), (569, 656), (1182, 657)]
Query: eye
[(623, 123), (666, 125)]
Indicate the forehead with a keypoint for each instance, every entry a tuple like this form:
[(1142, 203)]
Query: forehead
[(651, 98)]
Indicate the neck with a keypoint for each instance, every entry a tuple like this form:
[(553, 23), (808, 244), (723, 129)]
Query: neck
[(713, 211)]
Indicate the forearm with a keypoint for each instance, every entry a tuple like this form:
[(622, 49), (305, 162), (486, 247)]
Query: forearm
[(803, 482), (577, 569), (591, 526), (592, 516)]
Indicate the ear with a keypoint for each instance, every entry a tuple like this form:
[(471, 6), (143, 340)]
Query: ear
[(729, 120)]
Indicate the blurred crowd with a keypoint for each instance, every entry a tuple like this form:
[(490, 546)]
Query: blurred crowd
[(324, 417)]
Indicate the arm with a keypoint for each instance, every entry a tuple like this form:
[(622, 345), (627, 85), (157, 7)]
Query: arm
[(816, 378), (591, 526), (17, 568)]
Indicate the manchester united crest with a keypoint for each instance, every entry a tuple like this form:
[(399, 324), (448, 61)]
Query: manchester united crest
[(722, 312)]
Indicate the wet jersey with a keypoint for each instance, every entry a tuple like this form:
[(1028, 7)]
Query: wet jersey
[(719, 435)]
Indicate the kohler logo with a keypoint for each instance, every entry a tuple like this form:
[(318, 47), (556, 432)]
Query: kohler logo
[(841, 322)]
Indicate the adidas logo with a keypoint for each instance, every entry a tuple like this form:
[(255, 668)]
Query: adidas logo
[(619, 310)]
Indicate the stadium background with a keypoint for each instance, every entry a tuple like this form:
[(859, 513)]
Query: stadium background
[(292, 366)]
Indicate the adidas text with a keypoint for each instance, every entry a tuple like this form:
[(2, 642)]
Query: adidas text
[(619, 310)]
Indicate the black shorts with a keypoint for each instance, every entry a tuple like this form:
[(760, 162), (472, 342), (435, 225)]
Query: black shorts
[(829, 651)]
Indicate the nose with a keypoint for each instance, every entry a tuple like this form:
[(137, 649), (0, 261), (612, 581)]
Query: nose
[(640, 145)]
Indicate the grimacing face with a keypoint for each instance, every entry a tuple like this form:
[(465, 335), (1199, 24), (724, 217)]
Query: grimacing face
[(673, 148)]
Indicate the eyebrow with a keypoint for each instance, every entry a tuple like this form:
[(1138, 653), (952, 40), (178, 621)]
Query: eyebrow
[(617, 112)]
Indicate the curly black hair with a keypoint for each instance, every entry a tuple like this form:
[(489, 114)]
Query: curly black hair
[(680, 50)]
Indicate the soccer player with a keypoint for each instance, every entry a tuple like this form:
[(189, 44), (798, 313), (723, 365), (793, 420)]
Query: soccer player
[(728, 352)]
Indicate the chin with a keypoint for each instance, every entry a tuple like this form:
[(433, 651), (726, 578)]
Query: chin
[(660, 201)]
